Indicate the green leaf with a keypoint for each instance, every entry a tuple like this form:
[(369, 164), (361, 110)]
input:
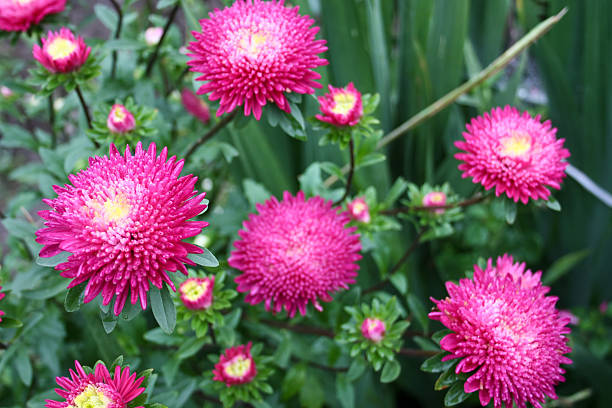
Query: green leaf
[(391, 370), (8, 322), (190, 347), (23, 366), (312, 394), (563, 265), (255, 193), (356, 369), (510, 209), (107, 16), (54, 260), (293, 381), (19, 228), (553, 204), (74, 297), (435, 364), (206, 259), (345, 391), (418, 309), (163, 308), (400, 282), (455, 395), (161, 4)]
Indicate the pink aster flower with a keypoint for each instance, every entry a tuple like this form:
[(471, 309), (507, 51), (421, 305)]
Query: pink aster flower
[(513, 152), (236, 366), (341, 106), (507, 333), (97, 389), (359, 210), (124, 220), (1, 296), (19, 15), (197, 293), (153, 35), (61, 51), (120, 120), (435, 199), (254, 52), (294, 252), (373, 329), (196, 106)]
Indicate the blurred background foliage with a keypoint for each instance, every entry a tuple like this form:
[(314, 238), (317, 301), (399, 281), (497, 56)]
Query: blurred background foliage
[(411, 52)]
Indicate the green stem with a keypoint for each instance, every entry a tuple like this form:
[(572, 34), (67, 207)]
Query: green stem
[(161, 40), (117, 35), (501, 62), (52, 121), (349, 179), (220, 125)]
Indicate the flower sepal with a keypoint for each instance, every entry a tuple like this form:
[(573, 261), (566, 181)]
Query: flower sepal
[(292, 123), (48, 81), (374, 331)]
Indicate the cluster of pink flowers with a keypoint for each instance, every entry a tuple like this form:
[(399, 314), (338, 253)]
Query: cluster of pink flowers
[(124, 220), (254, 52), (294, 252), (513, 152), (98, 389), (197, 293), (236, 366), (506, 332), (20, 15), (61, 51)]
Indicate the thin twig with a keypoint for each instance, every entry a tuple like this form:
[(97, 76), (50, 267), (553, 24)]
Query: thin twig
[(220, 125), (395, 268), (212, 335), (117, 35), (349, 178), (417, 352), (161, 40), (52, 121), (299, 328), (500, 62), (466, 203)]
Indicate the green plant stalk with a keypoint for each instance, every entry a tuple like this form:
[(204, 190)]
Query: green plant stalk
[(349, 179), (497, 65), (220, 125), (52, 121), (117, 35), (161, 40), (83, 105)]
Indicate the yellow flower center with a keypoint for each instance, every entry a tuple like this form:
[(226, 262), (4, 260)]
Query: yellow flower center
[(238, 367), (193, 289), (119, 114), (24, 1), (61, 48), (437, 198), (359, 207), (251, 43), (116, 209), (91, 397), (372, 324), (517, 144), (345, 101)]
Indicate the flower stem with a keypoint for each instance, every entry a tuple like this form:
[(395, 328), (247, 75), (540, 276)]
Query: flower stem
[(52, 121), (500, 62), (466, 203), (349, 178), (117, 35), (417, 352), (161, 40), (220, 125), (84, 105)]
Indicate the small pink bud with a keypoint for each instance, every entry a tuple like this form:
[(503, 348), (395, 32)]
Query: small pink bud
[(153, 35), (359, 210), (61, 51), (341, 106), (6, 91), (197, 293), (603, 307), (435, 199), (120, 120), (373, 329), (196, 106), (236, 366)]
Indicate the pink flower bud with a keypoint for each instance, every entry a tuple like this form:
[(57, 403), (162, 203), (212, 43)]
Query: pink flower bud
[(196, 106), (6, 91), (435, 199), (197, 293), (603, 307), (120, 120), (373, 329), (236, 366), (359, 210), (61, 51), (341, 106), (153, 35)]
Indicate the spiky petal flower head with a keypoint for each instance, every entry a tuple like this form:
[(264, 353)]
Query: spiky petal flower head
[(97, 389), (236, 366), (341, 106), (1, 296), (254, 52), (124, 220), (435, 199), (373, 329), (61, 51), (196, 106), (120, 120), (294, 252), (359, 210), (20, 15), (513, 152), (197, 293), (506, 332)]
